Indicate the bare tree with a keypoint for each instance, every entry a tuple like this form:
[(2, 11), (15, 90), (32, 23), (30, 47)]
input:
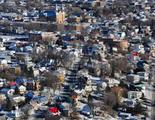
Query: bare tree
[(52, 81), (110, 99)]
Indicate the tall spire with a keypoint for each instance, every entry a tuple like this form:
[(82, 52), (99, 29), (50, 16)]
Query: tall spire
[(62, 7), (56, 7)]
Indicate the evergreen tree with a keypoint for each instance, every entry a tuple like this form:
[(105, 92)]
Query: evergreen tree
[(8, 104)]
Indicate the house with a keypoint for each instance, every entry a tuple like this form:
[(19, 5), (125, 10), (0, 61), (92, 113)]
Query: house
[(30, 85), (35, 36), (21, 80), (39, 100), (22, 89), (28, 49), (2, 82), (129, 103), (139, 48), (1, 1), (11, 3), (144, 76), (119, 92), (74, 19), (133, 78), (14, 68), (35, 72), (17, 99), (124, 45), (74, 27), (65, 109), (7, 91), (134, 94), (2, 97), (18, 19), (4, 58), (113, 82), (39, 49), (53, 113), (49, 36), (134, 56), (23, 57), (2, 48)]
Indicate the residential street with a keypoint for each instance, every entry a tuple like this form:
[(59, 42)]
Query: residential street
[(150, 95), (77, 59)]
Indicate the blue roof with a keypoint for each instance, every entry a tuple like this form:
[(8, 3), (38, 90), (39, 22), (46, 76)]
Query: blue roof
[(5, 90), (49, 13), (77, 14), (10, 114), (40, 98), (20, 80), (30, 81), (86, 108), (13, 87), (2, 28), (61, 107), (66, 38), (29, 94)]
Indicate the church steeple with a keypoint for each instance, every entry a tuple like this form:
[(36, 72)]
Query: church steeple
[(63, 8), (57, 8), (60, 14)]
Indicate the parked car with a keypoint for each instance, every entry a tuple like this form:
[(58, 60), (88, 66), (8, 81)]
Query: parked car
[(137, 86), (147, 102), (131, 118), (98, 96), (123, 115), (121, 109), (40, 113), (86, 111), (153, 86)]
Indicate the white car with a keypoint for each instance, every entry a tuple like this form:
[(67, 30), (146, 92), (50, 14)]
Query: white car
[(153, 87)]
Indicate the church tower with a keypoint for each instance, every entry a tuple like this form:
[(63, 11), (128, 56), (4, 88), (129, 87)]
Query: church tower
[(60, 14), (60, 17)]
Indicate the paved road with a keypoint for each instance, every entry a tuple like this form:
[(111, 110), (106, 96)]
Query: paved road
[(150, 94)]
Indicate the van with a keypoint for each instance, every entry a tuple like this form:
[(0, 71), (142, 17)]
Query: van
[(123, 115), (144, 76)]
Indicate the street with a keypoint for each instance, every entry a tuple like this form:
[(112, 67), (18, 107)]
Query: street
[(150, 94)]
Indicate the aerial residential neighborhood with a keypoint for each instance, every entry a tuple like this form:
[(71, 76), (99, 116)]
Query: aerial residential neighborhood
[(77, 60)]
